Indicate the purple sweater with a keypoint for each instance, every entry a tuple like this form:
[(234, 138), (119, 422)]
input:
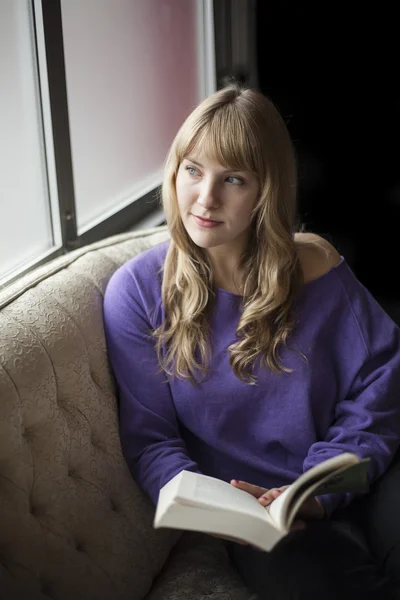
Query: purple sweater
[(344, 398)]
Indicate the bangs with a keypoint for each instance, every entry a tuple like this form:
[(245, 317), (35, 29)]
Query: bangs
[(224, 139)]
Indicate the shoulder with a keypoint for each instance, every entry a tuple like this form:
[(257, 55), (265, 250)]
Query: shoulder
[(148, 261), (145, 265), (316, 255), (143, 271), (135, 288)]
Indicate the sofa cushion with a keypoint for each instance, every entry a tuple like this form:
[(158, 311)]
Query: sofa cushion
[(73, 522), (198, 569)]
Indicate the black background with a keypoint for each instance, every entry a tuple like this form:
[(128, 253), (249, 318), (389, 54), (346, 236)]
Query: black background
[(334, 72)]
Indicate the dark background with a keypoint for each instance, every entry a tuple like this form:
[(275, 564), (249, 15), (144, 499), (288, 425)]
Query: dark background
[(333, 73)]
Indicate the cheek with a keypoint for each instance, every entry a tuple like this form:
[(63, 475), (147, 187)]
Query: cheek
[(249, 206), (244, 214), (183, 195)]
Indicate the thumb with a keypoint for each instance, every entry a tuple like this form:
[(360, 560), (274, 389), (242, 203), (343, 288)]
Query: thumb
[(298, 525)]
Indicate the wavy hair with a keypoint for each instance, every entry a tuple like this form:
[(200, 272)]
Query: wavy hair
[(242, 130)]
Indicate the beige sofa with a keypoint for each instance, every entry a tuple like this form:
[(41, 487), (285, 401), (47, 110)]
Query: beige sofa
[(73, 523)]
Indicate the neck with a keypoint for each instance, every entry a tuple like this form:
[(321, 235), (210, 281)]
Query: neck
[(226, 270)]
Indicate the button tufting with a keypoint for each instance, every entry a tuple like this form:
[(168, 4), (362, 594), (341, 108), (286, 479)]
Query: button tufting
[(96, 443), (28, 435), (79, 546), (113, 506)]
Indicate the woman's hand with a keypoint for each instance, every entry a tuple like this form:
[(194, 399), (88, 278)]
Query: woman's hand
[(312, 508)]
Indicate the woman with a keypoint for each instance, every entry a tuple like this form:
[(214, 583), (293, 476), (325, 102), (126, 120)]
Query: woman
[(249, 352)]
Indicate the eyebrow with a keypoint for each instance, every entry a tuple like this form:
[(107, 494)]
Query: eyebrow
[(202, 166)]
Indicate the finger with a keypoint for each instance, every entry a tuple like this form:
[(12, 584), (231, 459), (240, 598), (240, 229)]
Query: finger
[(269, 496), (254, 490)]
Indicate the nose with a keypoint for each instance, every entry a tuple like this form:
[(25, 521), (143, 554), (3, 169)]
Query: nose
[(208, 196)]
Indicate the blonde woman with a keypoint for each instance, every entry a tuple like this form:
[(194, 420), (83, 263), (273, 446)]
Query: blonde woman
[(249, 352)]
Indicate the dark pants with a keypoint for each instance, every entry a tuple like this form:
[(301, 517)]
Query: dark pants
[(354, 555)]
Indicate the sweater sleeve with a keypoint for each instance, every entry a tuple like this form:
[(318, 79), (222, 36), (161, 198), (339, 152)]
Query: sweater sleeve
[(367, 418), (149, 430)]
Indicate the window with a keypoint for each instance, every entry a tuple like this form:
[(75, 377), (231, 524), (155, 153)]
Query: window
[(95, 92), (26, 230)]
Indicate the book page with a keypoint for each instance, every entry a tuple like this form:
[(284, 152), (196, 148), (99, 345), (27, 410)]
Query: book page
[(343, 473), (224, 523), (195, 502), (209, 492)]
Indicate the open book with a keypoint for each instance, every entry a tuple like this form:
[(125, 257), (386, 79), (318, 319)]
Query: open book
[(200, 503)]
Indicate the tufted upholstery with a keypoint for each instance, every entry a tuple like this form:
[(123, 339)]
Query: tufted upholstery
[(73, 524)]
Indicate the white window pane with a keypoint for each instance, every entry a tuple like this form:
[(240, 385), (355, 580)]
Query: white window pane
[(25, 225), (132, 77)]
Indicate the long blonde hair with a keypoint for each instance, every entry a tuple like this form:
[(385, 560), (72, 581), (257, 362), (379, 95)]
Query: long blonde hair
[(241, 129)]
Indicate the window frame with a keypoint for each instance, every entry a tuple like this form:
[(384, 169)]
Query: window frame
[(142, 212)]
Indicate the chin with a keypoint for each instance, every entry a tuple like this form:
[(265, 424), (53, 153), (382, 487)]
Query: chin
[(205, 240)]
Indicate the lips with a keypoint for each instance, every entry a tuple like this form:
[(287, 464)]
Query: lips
[(207, 223), (206, 220)]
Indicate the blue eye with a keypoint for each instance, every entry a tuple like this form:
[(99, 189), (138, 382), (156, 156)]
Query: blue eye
[(237, 180), (192, 171)]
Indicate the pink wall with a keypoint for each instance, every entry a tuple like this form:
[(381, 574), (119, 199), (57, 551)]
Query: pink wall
[(132, 78)]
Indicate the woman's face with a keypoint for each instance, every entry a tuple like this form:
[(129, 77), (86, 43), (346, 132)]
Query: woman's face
[(215, 203)]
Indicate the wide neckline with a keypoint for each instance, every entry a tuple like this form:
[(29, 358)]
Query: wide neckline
[(304, 285)]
